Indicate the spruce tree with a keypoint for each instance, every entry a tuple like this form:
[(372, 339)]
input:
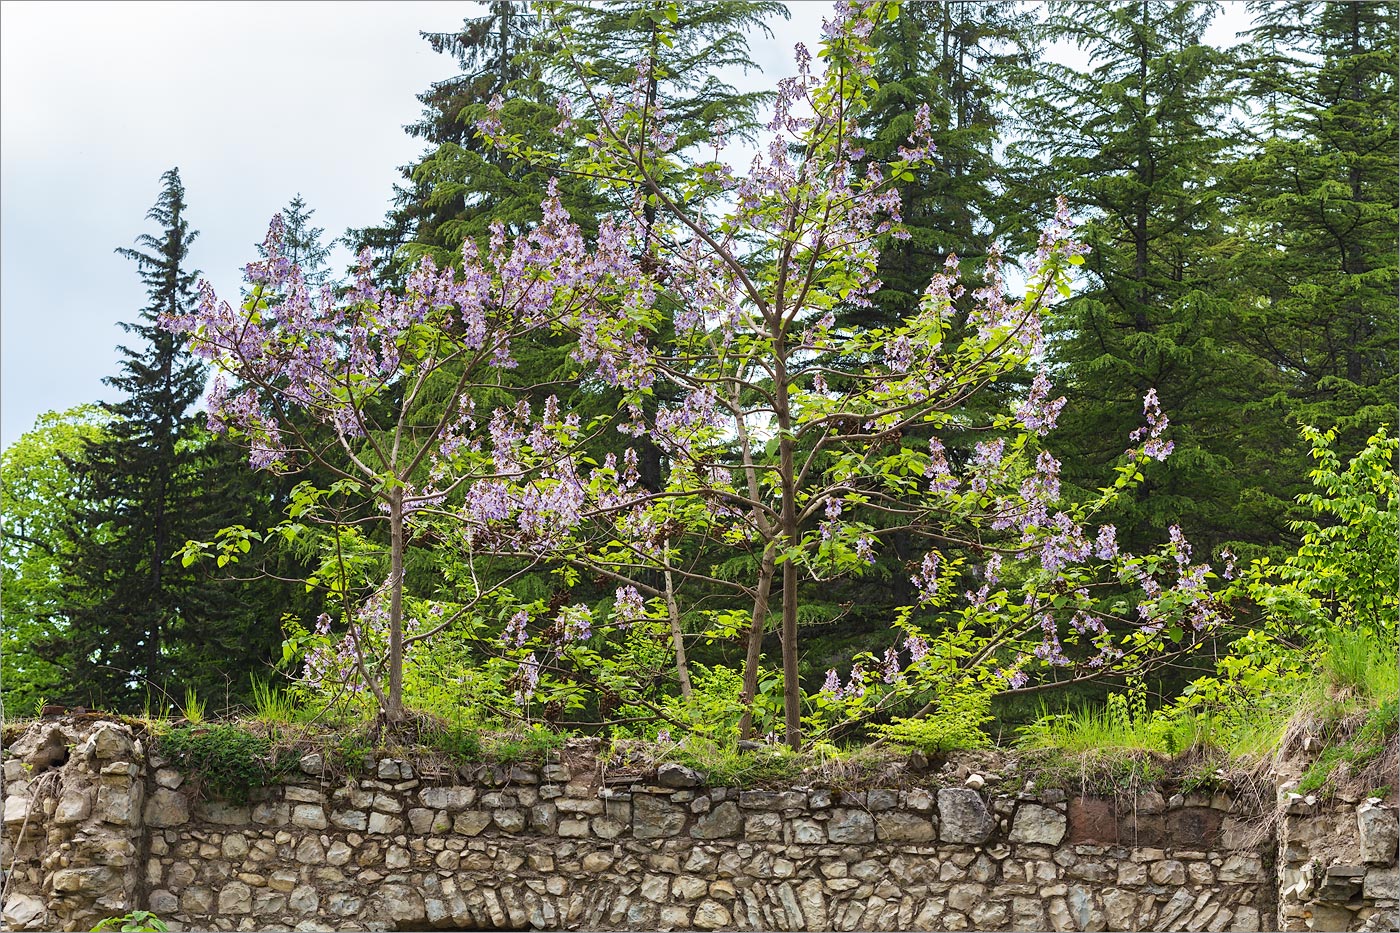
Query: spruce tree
[(303, 243), (1314, 267), (461, 184), (951, 56), (1136, 141), (139, 620)]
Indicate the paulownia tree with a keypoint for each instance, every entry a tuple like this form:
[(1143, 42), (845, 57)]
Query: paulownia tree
[(773, 448), (711, 308)]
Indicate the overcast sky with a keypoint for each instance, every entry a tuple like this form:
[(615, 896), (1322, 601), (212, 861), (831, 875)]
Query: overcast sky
[(254, 102)]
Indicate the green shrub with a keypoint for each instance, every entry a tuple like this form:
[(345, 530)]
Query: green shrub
[(229, 759)]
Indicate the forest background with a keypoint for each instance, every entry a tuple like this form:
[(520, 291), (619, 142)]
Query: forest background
[(1237, 212)]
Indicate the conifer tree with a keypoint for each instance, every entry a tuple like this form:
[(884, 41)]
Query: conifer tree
[(1314, 270), (305, 245), (460, 185), (1136, 141), (141, 626), (951, 56)]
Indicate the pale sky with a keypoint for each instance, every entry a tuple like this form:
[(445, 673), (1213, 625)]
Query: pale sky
[(254, 101)]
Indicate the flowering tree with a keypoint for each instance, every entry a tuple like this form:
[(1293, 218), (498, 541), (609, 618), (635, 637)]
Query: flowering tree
[(791, 439), (710, 307), (356, 384)]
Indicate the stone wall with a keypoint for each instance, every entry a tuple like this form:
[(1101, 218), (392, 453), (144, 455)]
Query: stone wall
[(1337, 864), (95, 826)]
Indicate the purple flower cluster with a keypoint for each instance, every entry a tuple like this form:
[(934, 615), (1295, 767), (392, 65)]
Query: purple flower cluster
[(628, 607), (1038, 413), (1151, 433), (926, 579), (515, 635)]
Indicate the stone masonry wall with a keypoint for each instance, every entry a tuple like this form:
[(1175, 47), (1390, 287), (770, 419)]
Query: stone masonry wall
[(95, 827)]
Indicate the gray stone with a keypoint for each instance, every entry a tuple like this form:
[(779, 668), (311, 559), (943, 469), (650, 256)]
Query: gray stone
[(1246, 920), (162, 902), (711, 915), (235, 898), (1119, 906), (990, 915), (344, 905), (1381, 884), (900, 826), (109, 742), (720, 823), (169, 778), (383, 823), (313, 763), (1086, 913), (1379, 831), (963, 816), (338, 854), (309, 816), (1242, 868), (1038, 825), (16, 808), (265, 903), (350, 819), (808, 832), (671, 774), (447, 798), (420, 820), (310, 852), (196, 901), (118, 804), (605, 827), (23, 911), (1169, 872), (404, 904), (654, 818), (881, 799), (769, 800), (850, 826), (763, 827), (235, 847), (268, 813), (966, 896), (471, 823), (76, 805), (386, 803), (511, 821)]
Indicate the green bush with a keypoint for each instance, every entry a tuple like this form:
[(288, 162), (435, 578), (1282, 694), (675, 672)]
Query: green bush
[(229, 759)]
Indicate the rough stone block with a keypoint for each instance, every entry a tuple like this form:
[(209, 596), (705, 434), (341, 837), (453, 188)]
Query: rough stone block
[(1379, 830), (963, 816), (901, 826), (1037, 824), (655, 818), (720, 823), (850, 826)]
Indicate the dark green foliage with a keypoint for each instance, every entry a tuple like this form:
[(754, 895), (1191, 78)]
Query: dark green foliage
[(1136, 142), (950, 56), (230, 759), (1313, 275), (303, 244), (461, 185), (141, 627)]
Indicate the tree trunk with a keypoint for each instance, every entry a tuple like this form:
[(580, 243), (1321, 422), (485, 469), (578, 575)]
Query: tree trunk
[(755, 647), (394, 708), (677, 639)]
